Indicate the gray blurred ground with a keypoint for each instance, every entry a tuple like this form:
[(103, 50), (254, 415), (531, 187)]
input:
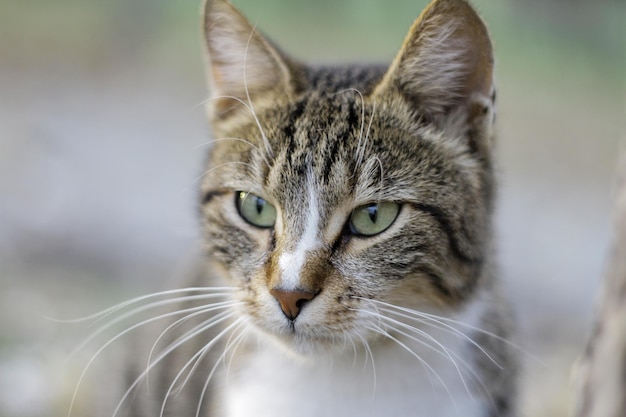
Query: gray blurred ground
[(101, 134)]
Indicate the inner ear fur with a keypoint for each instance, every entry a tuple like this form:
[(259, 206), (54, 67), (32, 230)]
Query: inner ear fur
[(242, 65), (446, 61)]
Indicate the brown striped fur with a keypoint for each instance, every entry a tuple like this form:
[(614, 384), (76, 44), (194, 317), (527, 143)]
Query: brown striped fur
[(319, 142)]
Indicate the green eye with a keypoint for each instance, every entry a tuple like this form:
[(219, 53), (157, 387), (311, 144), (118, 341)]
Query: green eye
[(372, 219), (255, 210)]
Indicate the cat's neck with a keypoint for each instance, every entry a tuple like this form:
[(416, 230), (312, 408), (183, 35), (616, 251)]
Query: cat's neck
[(386, 377)]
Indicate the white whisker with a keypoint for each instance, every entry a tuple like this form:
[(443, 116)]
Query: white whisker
[(211, 142), (138, 310), (161, 303), (447, 328), (250, 109), (420, 359), (367, 135), (221, 97), (242, 321), (436, 322), (208, 171), (442, 349), (368, 352), (116, 337), (449, 354), (195, 359), (193, 329), (245, 84), (211, 323), (244, 332), (440, 320), (230, 342), (127, 303), (354, 351), (359, 143)]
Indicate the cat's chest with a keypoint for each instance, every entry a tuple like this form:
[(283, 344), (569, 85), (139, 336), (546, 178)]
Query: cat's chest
[(396, 383)]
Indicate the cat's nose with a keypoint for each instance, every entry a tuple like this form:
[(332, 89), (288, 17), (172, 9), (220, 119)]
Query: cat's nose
[(291, 301)]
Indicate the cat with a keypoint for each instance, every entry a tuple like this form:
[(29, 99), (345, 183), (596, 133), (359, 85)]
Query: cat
[(347, 220)]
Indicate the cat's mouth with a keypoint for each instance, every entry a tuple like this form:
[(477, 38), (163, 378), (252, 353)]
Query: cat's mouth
[(304, 343), (315, 327), (302, 337), (295, 331)]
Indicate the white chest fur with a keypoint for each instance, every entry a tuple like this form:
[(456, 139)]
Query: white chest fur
[(269, 383)]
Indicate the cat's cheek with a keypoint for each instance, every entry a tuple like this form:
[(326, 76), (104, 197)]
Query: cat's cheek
[(418, 292)]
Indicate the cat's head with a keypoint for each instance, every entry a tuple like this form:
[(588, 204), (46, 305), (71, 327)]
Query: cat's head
[(329, 192)]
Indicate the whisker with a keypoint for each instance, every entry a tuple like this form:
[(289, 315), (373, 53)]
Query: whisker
[(211, 142), (117, 307), (354, 352), (388, 320), (468, 368), (227, 346), (448, 353), (419, 358), (367, 134), (178, 322), (429, 319), (442, 349), (245, 83), (116, 337), (440, 320), (161, 303), (208, 171), (346, 338), (250, 109), (221, 97), (368, 352), (192, 330), (138, 310), (195, 359), (208, 324), (244, 332), (196, 330), (243, 321), (447, 328)]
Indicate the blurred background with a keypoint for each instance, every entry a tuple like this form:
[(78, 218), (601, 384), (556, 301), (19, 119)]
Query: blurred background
[(102, 135)]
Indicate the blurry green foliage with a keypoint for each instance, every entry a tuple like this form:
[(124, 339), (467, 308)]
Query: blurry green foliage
[(559, 38)]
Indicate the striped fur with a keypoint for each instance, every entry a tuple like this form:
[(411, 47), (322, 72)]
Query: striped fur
[(317, 143)]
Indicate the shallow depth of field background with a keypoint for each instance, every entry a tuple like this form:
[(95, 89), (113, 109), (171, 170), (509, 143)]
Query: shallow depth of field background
[(102, 132)]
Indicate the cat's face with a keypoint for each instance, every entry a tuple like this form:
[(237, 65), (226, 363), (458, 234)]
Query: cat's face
[(330, 192)]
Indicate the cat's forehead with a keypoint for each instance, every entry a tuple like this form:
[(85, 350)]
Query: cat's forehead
[(350, 146), (336, 111), (345, 146), (314, 143)]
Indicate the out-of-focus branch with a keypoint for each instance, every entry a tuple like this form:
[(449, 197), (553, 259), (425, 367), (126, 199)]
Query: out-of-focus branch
[(601, 381)]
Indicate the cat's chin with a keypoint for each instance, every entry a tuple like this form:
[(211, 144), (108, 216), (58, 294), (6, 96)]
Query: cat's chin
[(311, 348), (303, 346)]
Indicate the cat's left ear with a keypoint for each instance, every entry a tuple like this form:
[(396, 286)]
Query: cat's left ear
[(445, 63), (242, 65)]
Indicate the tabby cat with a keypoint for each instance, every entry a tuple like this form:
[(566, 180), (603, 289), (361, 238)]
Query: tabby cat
[(347, 214)]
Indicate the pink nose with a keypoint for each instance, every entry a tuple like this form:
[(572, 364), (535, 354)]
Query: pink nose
[(291, 301)]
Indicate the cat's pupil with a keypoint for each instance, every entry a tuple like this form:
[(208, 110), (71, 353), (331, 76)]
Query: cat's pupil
[(260, 203), (373, 212)]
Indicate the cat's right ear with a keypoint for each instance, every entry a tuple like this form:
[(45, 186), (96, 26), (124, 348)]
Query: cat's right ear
[(243, 67), (446, 62)]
